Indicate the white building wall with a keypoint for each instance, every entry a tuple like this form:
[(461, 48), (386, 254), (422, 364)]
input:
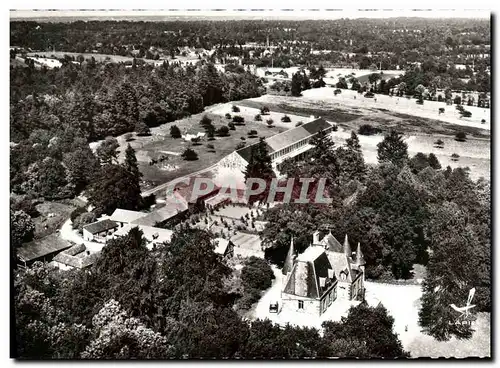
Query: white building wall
[(87, 235), (290, 303)]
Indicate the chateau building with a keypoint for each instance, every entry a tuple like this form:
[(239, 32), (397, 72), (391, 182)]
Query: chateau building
[(324, 272)]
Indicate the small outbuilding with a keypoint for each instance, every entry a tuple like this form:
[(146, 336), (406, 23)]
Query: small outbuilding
[(98, 231)]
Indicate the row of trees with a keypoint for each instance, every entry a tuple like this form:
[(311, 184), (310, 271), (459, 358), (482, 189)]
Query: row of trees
[(171, 303)]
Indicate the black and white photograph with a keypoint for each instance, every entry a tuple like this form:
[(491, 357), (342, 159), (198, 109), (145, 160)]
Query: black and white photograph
[(250, 184)]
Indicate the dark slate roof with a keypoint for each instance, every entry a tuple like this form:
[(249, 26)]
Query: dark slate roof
[(304, 279), (245, 152), (100, 226), (340, 264), (331, 243), (39, 248), (316, 126), (282, 140), (76, 262)]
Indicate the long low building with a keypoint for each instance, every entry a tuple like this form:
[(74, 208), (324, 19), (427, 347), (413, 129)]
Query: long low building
[(293, 143)]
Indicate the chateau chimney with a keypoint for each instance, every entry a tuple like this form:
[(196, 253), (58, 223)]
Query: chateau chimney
[(316, 238)]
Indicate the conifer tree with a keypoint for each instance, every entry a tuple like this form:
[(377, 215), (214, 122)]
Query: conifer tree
[(393, 149), (131, 162)]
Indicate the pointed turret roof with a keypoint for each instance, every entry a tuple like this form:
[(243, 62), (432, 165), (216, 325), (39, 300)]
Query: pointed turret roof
[(347, 247), (289, 259), (360, 259)]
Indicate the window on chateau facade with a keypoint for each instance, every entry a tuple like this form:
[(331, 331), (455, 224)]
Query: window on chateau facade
[(301, 304)]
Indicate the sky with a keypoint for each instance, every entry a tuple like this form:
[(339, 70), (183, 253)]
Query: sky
[(241, 14)]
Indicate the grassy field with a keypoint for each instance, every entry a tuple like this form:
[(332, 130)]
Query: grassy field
[(420, 132), (53, 214), (107, 57), (160, 143)]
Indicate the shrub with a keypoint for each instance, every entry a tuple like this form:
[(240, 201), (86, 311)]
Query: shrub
[(235, 108), (264, 110), (369, 94), (441, 110), (439, 143), (205, 120), (299, 123), (457, 100), (367, 129), (256, 274), (228, 116), (210, 147), (142, 129), (465, 114), (269, 122), (249, 297), (223, 131), (455, 157), (258, 117), (189, 155), (461, 137), (84, 219), (238, 119), (231, 126), (129, 137), (252, 133), (337, 91), (240, 145), (77, 212), (286, 119), (175, 132), (483, 121), (243, 138)]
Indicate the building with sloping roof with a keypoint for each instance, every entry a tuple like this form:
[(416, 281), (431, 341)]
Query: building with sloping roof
[(168, 212), (42, 250), (153, 235), (349, 266), (310, 286), (123, 217), (78, 256), (293, 143), (324, 272), (99, 230)]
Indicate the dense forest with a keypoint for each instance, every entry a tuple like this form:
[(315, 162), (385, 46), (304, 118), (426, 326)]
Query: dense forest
[(55, 113), (99, 100)]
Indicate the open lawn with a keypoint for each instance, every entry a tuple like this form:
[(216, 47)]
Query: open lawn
[(109, 57), (53, 214), (474, 152)]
